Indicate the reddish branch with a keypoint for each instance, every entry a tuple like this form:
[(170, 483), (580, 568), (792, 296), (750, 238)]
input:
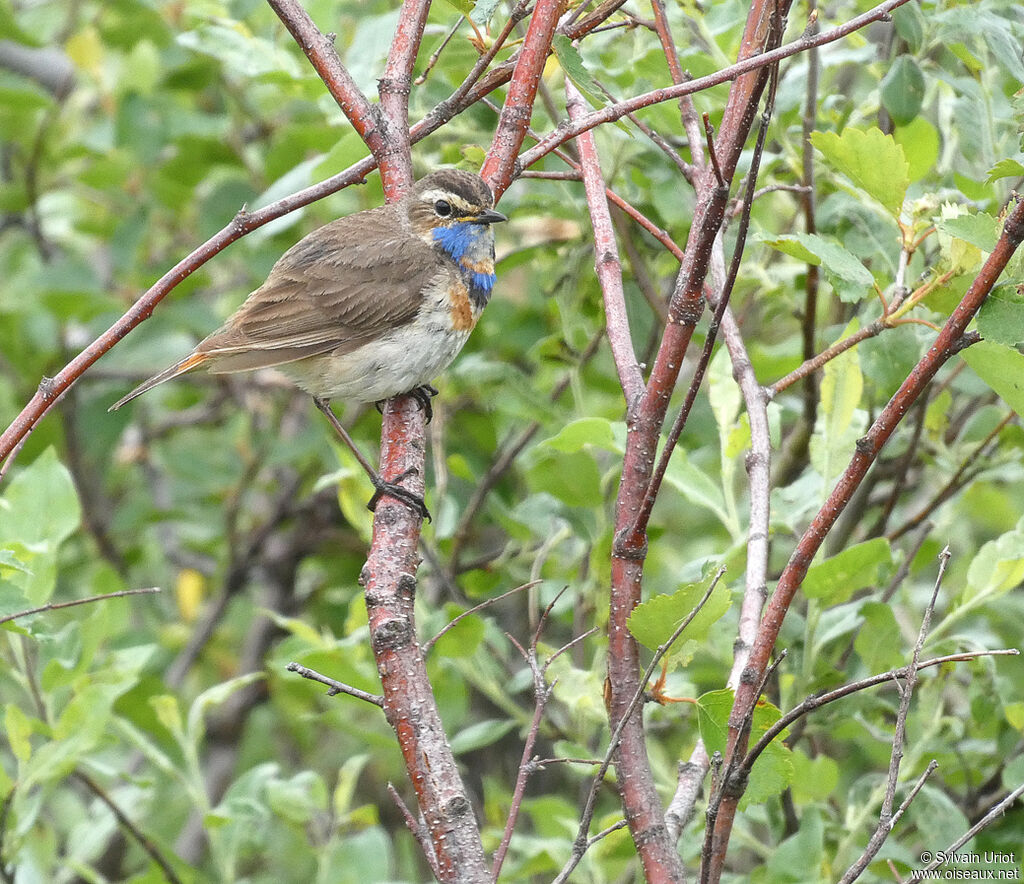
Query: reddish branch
[(645, 421), (606, 257), (948, 343), (752, 63), (500, 166)]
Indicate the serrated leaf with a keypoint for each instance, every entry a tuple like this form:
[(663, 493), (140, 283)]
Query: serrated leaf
[(1002, 368), (572, 63), (979, 229), (871, 160), (773, 770), (1001, 317), (653, 622), (1005, 169), (845, 272), (836, 579)]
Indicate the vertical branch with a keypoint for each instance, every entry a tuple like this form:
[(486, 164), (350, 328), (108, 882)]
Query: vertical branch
[(810, 225), (947, 344), (687, 112), (886, 819), (500, 166), (606, 258), (389, 582), (395, 157)]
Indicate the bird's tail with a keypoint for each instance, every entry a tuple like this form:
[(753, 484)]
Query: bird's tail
[(187, 364)]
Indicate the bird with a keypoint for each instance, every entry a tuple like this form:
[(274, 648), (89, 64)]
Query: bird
[(370, 306)]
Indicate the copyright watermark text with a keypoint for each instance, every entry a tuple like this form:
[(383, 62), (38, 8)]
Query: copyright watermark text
[(990, 865)]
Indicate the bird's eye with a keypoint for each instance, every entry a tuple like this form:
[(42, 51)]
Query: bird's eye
[(443, 208)]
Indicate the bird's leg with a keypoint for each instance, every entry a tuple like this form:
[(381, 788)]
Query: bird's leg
[(381, 486), (422, 394)]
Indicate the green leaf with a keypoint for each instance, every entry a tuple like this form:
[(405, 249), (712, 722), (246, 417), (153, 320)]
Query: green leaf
[(872, 160), (836, 579), (814, 779), (585, 431), (1001, 318), (481, 734), (838, 426), (653, 622), (799, 858), (572, 478), (696, 485), (910, 25), (298, 799), (979, 229), (878, 639), (845, 272), (1005, 169), (998, 566), (572, 63), (19, 730), (902, 90), (41, 503), (483, 10), (773, 770), (463, 638), (214, 697), (40, 510), (920, 142), (1002, 368)]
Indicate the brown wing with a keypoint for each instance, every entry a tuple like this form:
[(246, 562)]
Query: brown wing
[(339, 287)]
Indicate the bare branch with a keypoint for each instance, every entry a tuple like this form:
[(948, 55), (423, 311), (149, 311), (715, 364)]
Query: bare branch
[(581, 844), (885, 817), (336, 687), (53, 606), (606, 258), (418, 832), (476, 609)]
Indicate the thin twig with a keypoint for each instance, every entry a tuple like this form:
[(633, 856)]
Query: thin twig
[(606, 258), (140, 837), (336, 687), (53, 606), (818, 700), (476, 609), (582, 843), (422, 838), (885, 816)]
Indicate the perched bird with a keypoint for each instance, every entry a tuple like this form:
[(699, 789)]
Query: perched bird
[(370, 306)]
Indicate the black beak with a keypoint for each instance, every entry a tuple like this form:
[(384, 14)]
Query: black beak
[(489, 216)]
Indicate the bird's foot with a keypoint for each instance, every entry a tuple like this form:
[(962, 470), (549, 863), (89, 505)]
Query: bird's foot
[(422, 394), (393, 489)]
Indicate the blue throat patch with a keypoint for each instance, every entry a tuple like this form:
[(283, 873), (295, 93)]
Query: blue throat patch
[(457, 241)]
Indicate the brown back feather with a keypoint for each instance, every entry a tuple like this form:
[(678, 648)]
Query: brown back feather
[(342, 285)]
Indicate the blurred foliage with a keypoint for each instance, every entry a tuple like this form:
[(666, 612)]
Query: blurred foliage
[(229, 494)]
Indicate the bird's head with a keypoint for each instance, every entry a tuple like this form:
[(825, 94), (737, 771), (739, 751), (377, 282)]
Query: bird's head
[(449, 202)]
